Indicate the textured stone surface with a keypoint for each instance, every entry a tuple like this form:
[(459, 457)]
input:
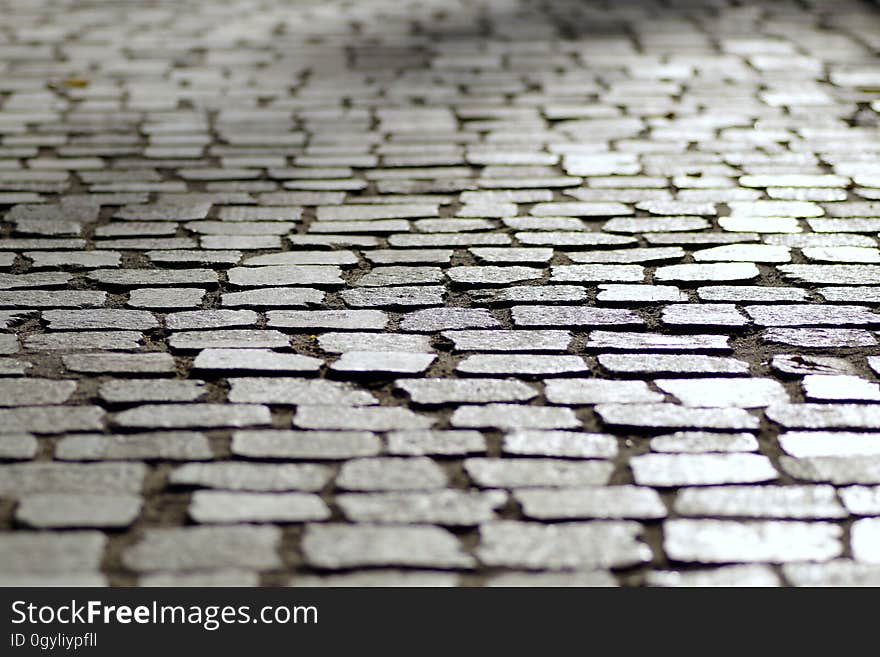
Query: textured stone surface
[(439, 293)]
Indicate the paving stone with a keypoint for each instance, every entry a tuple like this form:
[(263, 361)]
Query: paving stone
[(489, 275), (832, 274), (336, 546), (378, 578), (439, 443), (594, 273), (63, 510), (86, 341), (751, 293), (110, 363), (47, 553), (625, 341), (207, 319), (599, 391), (277, 297), (34, 392), (825, 416), (364, 418), (699, 442), (725, 576), (707, 272), (512, 416), (797, 364), (255, 360), (476, 391), (798, 502), (700, 469), (121, 391), (50, 419), (161, 298), (21, 446), (279, 275), (563, 546), (328, 445), (832, 573), (382, 362), (501, 364), (591, 578), (400, 296), (383, 276), (806, 444), (179, 445), (861, 500), (828, 387), (195, 548), (744, 253), (512, 255), (222, 507), (507, 340), (528, 472), (774, 541), (251, 476), (811, 315), (818, 338), (446, 507), (529, 294), (207, 415), (431, 320), (328, 319), (560, 443), (671, 364), (20, 479), (574, 316), (228, 338), (704, 314), (719, 393), (624, 256), (611, 502), (52, 299), (152, 277)]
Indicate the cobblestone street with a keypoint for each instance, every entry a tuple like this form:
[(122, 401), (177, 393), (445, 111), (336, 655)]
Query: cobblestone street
[(439, 293)]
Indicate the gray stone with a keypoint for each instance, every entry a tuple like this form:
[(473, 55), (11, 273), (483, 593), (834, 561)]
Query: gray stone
[(337, 546), (123, 390), (195, 548), (324, 445), (34, 392), (64, 510), (255, 360), (439, 443), (599, 391), (171, 416), (476, 391), (49, 553), (20, 479), (391, 473), (775, 541), (51, 419), (563, 546), (532, 364), (293, 391), (719, 393), (611, 502), (375, 418), (760, 502), (526, 472), (222, 507), (179, 445), (699, 442), (700, 469), (445, 507), (251, 476), (384, 362)]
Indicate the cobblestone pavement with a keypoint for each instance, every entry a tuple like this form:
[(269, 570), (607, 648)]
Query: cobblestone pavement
[(439, 292)]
